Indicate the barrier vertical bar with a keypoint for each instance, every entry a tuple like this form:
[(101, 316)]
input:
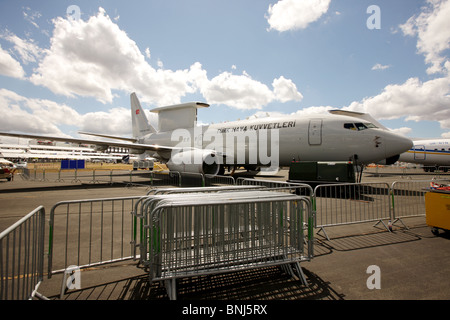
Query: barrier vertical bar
[(21, 257)]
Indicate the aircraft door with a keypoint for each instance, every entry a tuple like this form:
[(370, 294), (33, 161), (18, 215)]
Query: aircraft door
[(315, 132), (419, 153)]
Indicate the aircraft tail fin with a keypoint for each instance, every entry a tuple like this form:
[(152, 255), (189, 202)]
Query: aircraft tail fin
[(139, 121)]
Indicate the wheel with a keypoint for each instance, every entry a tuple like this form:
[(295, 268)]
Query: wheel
[(435, 231)]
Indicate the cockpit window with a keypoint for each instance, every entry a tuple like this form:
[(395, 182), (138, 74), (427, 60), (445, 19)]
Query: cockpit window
[(349, 126), (359, 126), (370, 125)]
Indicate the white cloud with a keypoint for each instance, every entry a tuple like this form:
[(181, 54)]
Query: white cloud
[(26, 49), (239, 91), (33, 115), (314, 110), (286, 90), (95, 57), (9, 66), (404, 131), (243, 92), (42, 116), (295, 14), (116, 121), (147, 52), (432, 28), (379, 66), (413, 100), (31, 17)]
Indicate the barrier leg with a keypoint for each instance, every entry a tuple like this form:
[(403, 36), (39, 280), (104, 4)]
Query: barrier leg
[(323, 230), (40, 296), (171, 287), (382, 222), (299, 270), (294, 269), (401, 221), (59, 177)]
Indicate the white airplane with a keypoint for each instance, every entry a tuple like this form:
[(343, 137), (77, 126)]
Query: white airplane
[(262, 142), (429, 153)]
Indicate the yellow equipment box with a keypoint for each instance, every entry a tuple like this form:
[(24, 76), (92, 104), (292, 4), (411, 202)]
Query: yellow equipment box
[(437, 206)]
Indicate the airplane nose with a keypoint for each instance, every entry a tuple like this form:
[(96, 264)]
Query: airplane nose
[(397, 144)]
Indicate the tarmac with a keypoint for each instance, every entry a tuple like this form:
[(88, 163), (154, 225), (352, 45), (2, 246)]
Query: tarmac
[(412, 263)]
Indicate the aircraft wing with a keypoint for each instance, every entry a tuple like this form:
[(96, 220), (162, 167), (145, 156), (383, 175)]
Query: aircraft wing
[(130, 145), (108, 136)]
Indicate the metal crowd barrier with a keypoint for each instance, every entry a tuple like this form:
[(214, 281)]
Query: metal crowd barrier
[(349, 203), (203, 231), (128, 177), (298, 188), (165, 179), (90, 232), (138, 211), (436, 169), (216, 180), (201, 234), (22, 257), (408, 198), (203, 189)]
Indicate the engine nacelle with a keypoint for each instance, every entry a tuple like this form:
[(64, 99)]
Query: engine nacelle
[(195, 161)]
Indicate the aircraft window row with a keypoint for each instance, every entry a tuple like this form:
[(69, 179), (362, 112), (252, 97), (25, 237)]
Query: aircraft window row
[(359, 126)]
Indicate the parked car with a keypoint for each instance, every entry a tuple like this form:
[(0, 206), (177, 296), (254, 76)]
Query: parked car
[(22, 165), (5, 173)]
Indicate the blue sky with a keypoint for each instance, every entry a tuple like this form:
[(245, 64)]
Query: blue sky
[(61, 72)]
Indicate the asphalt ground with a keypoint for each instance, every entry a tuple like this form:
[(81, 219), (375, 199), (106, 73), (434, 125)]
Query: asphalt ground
[(411, 263)]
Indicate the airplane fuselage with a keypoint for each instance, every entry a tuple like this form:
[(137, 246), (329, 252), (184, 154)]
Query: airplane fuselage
[(435, 152), (283, 139)]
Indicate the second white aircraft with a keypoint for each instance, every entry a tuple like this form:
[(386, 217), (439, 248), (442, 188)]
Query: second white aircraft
[(431, 153)]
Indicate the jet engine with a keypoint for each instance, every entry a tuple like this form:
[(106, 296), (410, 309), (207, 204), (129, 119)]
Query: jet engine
[(195, 161)]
